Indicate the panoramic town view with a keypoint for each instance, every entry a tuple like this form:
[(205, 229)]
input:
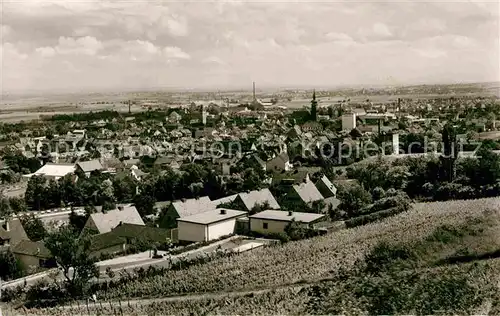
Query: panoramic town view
[(249, 158)]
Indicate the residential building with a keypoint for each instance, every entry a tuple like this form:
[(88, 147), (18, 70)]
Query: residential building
[(279, 163), (33, 255), (105, 221), (134, 232), (53, 171), (12, 232), (326, 187), (272, 221), (258, 197), (348, 121), (208, 225), (185, 208), (106, 244), (88, 166)]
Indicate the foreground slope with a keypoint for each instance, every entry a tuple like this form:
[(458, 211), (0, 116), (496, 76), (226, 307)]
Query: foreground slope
[(439, 257), (305, 260)]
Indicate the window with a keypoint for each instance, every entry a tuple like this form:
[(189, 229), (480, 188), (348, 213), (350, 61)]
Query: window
[(264, 225)]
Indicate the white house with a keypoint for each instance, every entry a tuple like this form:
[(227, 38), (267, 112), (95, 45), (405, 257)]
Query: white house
[(53, 171), (272, 221), (208, 225), (348, 121)]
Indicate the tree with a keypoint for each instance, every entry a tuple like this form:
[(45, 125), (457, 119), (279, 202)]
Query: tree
[(77, 222), (353, 199), (34, 227), (35, 192), (72, 255), (9, 266)]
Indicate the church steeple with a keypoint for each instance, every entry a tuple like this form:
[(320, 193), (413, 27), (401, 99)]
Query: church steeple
[(314, 104)]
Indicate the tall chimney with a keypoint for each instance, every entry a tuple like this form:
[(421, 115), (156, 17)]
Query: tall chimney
[(128, 106), (254, 91)]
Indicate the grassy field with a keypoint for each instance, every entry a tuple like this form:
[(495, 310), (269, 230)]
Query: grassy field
[(437, 258)]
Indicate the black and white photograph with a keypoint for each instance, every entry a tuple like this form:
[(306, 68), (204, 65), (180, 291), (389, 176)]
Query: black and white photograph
[(249, 157)]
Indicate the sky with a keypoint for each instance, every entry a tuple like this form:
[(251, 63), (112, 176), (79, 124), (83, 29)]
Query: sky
[(87, 45)]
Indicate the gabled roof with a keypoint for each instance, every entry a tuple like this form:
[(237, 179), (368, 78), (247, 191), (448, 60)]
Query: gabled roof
[(193, 206), (212, 216), (105, 222), (31, 248), (308, 192), (328, 184), (55, 170), (106, 240), (287, 217), (142, 232), (226, 199), (282, 156), (252, 198), (15, 233), (297, 176), (91, 165)]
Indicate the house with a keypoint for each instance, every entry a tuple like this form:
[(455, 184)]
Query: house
[(208, 225), (225, 200), (254, 160), (105, 221), (53, 171), (257, 197), (106, 244), (33, 255), (147, 234), (299, 194), (87, 167), (279, 163), (137, 173), (326, 187), (12, 232), (185, 208), (174, 117), (272, 221), (295, 177)]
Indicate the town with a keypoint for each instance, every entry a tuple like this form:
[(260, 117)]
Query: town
[(249, 158), (136, 189)]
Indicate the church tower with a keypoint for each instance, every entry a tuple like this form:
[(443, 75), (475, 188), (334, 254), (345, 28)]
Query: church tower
[(314, 105)]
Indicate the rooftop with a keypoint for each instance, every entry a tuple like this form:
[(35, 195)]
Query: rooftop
[(105, 222), (212, 216), (55, 170), (285, 216)]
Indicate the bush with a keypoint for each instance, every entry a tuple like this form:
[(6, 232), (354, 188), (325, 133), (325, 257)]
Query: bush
[(372, 217), (386, 256)]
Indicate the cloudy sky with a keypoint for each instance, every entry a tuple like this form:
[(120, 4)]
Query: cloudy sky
[(89, 45)]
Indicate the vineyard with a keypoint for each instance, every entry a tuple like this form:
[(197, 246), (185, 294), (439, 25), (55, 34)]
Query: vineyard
[(304, 260), (436, 228)]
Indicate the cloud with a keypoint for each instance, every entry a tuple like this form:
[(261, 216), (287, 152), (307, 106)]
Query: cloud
[(213, 60), (113, 43), (86, 45), (431, 53), (175, 53), (46, 51)]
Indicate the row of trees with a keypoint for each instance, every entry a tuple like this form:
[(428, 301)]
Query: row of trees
[(106, 190)]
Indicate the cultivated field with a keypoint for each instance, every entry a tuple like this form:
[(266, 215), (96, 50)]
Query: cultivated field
[(302, 277), (306, 260)]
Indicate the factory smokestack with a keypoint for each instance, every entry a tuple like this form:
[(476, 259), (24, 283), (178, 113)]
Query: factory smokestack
[(254, 91)]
